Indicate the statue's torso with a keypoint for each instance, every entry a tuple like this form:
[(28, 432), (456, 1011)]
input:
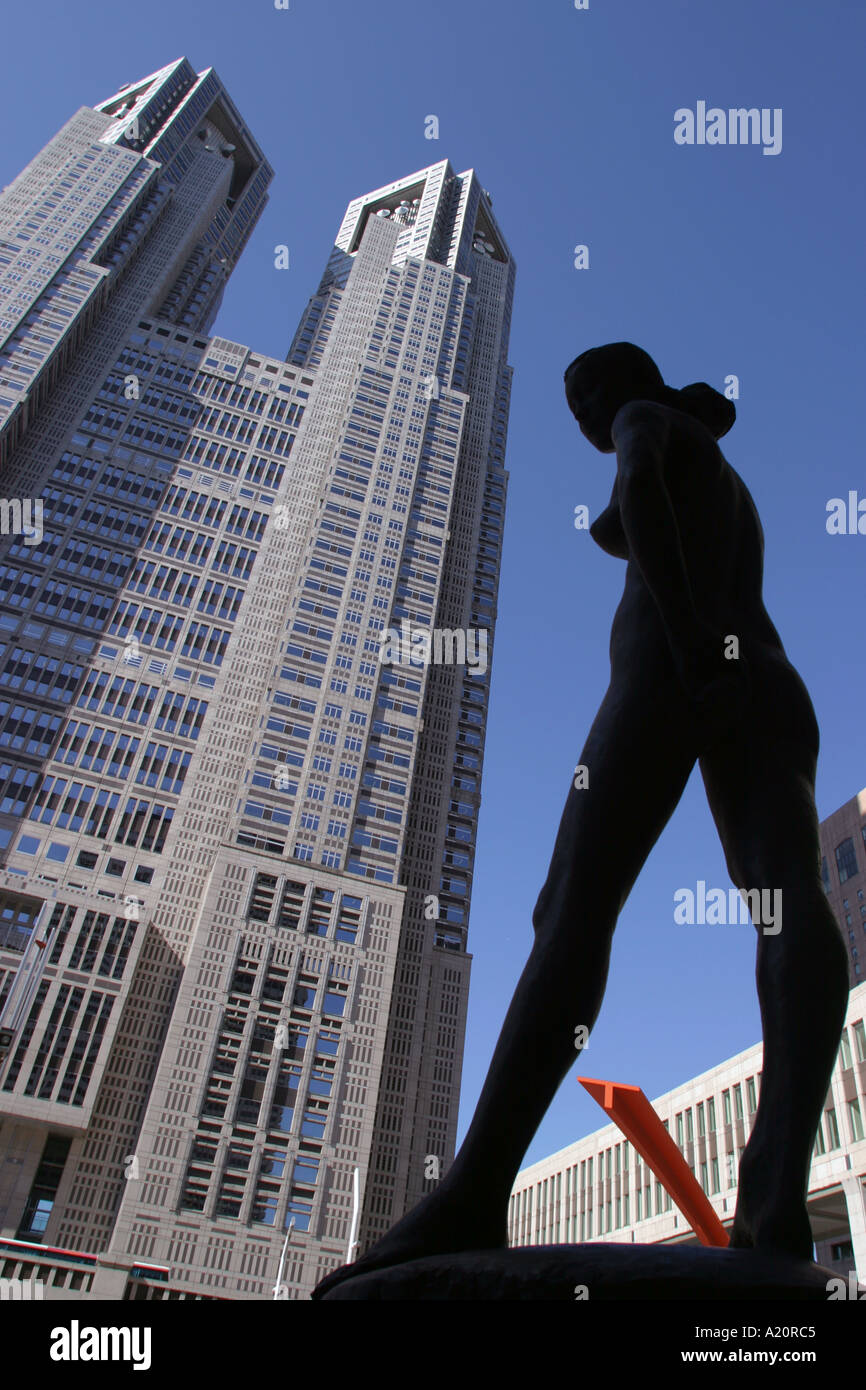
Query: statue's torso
[(722, 545)]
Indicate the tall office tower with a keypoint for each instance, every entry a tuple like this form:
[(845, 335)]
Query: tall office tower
[(439, 345), (140, 205), (235, 895), (843, 869)]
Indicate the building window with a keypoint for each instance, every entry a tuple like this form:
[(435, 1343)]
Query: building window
[(845, 1050), (846, 860), (252, 1092), (264, 1209), (44, 1190), (313, 1124), (328, 1041), (334, 1004), (273, 1163), (299, 1211), (825, 874), (284, 1098)]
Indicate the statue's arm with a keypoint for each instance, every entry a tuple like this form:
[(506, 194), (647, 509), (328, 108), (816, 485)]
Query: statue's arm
[(641, 435)]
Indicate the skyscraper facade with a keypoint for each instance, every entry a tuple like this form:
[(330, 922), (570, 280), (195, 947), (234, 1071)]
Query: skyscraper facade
[(243, 692), (843, 870)]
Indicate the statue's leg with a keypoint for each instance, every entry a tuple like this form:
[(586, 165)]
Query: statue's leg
[(638, 759), (761, 791), (638, 763)]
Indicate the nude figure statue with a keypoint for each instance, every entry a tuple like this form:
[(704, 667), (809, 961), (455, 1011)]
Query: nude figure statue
[(687, 527)]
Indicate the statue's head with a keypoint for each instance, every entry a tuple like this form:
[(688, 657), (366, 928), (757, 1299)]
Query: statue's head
[(602, 380)]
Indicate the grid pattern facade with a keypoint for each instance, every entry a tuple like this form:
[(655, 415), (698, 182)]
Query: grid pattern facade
[(219, 848), (449, 319), (97, 737)]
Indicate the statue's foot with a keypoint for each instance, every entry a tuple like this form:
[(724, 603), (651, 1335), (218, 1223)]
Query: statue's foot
[(441, 1224), (777, 1233), (764, 1220)]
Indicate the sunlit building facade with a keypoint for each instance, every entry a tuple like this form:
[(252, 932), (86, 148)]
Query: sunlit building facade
[(238, 821)]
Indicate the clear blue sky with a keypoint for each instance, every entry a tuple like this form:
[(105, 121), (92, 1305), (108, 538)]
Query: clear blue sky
[(717, 260)]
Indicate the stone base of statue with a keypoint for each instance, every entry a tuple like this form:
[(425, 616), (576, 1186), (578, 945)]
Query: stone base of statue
[(594, 1273)]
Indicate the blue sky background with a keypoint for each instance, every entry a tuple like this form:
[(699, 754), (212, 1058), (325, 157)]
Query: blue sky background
[(717, 260)]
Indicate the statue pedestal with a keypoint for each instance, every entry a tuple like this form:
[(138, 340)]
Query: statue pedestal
[(594, 1273)]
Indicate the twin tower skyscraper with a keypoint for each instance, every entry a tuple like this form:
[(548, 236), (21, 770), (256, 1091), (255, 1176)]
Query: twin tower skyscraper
[(237, 832)]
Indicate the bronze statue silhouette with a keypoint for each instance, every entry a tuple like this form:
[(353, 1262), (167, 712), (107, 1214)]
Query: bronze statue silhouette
[(688, 528)]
